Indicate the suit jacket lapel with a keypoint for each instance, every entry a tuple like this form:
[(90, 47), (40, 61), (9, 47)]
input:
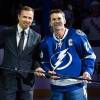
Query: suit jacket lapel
[(29, 43)]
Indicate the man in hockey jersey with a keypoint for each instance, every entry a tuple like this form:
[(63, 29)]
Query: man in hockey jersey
[(67, 52)]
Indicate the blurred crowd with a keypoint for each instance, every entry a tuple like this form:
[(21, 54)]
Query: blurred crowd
[(83, 14)]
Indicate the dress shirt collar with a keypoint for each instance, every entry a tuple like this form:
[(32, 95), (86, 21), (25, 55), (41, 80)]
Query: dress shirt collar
[(20, 30)]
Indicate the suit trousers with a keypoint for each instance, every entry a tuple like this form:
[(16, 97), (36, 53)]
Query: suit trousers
[(24, 95), (18, 94)]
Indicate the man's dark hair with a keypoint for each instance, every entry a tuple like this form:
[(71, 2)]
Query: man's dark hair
[(57, 11), (27, 8)]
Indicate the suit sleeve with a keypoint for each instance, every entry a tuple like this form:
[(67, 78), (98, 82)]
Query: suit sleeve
[(29, 80), (3, 35), (36, 53)]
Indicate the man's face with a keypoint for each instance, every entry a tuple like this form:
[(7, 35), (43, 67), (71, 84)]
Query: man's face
[(57, 21), (25, 18)]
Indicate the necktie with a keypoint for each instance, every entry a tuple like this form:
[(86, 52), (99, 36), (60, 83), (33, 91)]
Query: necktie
[(21, 42)]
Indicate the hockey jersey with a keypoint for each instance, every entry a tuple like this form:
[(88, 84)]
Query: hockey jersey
[(71, 56)]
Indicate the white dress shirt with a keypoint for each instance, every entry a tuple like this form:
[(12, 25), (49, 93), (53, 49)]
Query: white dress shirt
[(18, 35)]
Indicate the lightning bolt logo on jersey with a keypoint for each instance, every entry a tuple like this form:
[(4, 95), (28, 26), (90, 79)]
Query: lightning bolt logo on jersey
[(64, 59), (73, 56)]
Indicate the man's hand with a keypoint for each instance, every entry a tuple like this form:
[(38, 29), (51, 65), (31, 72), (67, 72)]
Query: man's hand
[(53, 75), (39, 72), (87, 76)]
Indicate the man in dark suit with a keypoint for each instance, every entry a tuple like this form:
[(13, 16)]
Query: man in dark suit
[(21, 55)]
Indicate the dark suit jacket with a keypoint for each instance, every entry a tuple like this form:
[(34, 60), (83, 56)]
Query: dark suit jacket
[(27, 61)]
